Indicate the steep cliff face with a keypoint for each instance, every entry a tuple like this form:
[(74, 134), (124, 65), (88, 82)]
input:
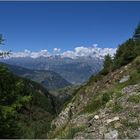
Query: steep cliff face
[(106, 107)]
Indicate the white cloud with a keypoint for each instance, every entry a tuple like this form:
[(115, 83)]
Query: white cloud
[(28, 53), (56, 50), (95, 45), (82, 51), (69, 54), (89, 51)]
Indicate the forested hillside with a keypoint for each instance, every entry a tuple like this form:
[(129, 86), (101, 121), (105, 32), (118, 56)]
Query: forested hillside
[(26, 108)]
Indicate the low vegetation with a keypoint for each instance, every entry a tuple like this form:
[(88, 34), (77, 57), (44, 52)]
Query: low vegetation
[(97, 102), (134, 99)]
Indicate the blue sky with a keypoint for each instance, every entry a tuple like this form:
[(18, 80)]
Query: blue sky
[(66, 25)]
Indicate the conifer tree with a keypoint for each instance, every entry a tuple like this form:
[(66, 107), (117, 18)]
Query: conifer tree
[(107, 66), (136, 35), (3, 53), (125, 53)]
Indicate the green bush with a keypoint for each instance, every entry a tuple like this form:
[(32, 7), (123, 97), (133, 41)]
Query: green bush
[(72, 131), (105, 98), (93, 106), (95, 78), (134, 98), (136, 64), (131, 125), (97, 102), (117, 108)]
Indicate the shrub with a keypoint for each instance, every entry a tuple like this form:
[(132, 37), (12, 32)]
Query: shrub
[(116, 108), (131, 125), (72, 131), (134, 98), (93, 106), (105, 98), (97, 102), (95, 78)]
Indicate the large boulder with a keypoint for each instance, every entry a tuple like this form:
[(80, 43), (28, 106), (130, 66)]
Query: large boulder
[(124, 79), (131, 89), (111, 135)]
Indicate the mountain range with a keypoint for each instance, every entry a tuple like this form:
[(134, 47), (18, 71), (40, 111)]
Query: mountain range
[(49, 79), (75, 71)]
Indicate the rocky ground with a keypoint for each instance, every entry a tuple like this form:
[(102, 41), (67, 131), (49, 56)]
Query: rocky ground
[(105, 108)]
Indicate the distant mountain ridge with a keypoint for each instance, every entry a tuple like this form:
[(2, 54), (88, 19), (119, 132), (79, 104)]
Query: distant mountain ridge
[(75, 71), (49, 79)]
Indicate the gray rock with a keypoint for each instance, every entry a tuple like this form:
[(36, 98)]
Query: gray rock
[(112, 135), (131, 89), (112, 120), (80, 120), (124, 79)]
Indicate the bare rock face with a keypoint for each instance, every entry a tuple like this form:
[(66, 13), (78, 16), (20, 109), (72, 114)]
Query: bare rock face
[(124, 79), (80, 120), (63, 118), (111, 135), (131, 89), (112, 120)]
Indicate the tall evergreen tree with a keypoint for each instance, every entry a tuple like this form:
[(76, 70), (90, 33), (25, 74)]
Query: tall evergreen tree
[(4, 53), (125, 53), (136, 35), (107, 66)]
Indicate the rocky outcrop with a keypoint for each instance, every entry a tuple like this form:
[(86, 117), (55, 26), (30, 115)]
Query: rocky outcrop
[(131, 89), (124, 79), (115, 117), (112, 120), (112, 135)]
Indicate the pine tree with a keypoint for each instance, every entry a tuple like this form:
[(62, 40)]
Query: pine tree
[(125, 53), (136, 35), (107, 66), (4, 53)]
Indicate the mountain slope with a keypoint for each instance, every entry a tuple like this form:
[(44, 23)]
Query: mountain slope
[(75, 71), (48, 79), (26, 108), (106, 107)]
